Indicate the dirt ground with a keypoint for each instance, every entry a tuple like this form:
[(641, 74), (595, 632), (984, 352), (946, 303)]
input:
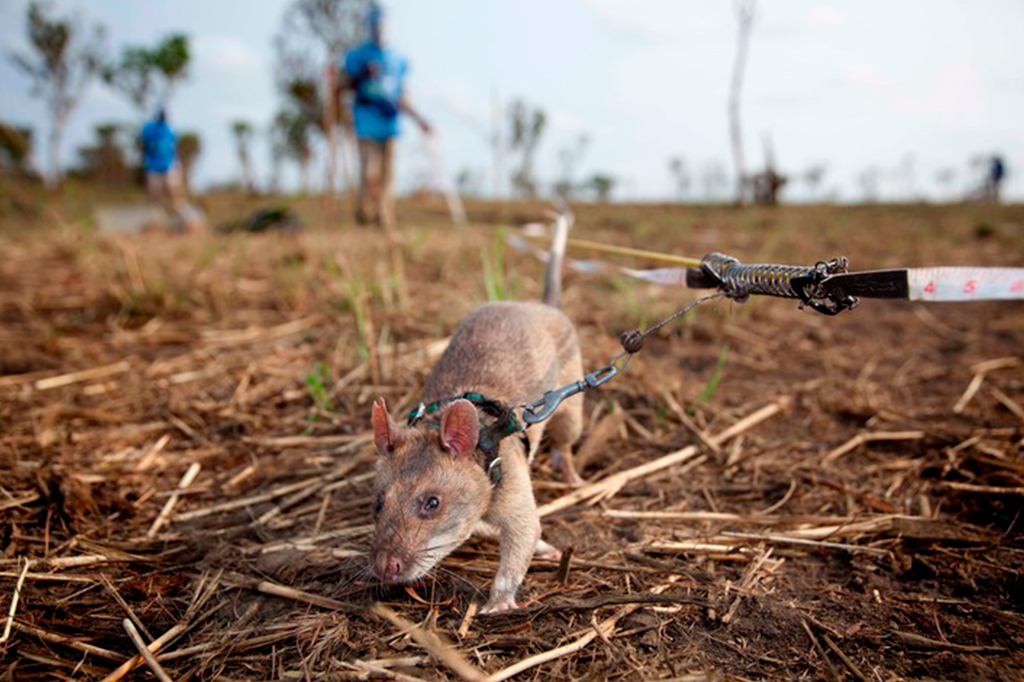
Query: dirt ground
[(184, 443)]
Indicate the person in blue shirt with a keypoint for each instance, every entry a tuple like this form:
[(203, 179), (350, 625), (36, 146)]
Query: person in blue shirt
[(159, 145), (375, 74)]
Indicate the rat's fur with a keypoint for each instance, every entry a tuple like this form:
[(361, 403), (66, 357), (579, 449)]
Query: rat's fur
[(511, 352)]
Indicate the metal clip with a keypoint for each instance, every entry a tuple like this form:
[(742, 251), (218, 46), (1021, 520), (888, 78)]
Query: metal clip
[(539, 410)]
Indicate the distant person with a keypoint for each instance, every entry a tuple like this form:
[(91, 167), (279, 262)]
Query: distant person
[(376, 75), (159, 145), (994, 180)]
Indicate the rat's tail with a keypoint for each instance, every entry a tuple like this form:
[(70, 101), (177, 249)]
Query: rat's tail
[(553, 274)]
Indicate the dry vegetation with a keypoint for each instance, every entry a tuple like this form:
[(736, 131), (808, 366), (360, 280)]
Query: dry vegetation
[(183, 444)]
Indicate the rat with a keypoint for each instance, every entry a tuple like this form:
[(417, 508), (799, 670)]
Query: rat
[(436, 486)]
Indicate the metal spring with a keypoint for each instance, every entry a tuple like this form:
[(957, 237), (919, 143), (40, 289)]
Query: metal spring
[(739, 280)]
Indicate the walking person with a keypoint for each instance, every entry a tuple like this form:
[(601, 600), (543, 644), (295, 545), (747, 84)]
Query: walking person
[(376, 75), (159, 149)]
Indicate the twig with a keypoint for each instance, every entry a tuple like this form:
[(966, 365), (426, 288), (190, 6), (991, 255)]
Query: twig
[(14, 601), (68, 642), (983, 489), (604, 629), (124, 605), (609, 485), (137, 660), (969, 392), (922, 642), (467, 619), (786, 540), (275, 590), (147, 655), (833, 673), (445, 653), (847, 661), (1008, 403), (183, 484), (862, 438), (82, 375)]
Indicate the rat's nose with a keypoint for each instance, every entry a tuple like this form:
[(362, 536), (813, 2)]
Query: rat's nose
[(390, 567)]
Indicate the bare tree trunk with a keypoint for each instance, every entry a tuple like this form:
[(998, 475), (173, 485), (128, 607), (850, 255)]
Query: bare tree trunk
[(304, 175), (331, 137), (497, 145), (53, 176), (745, 17)]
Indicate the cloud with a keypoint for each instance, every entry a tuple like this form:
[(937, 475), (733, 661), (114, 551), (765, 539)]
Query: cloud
[(870, 78), (225, 55), (824, 18)]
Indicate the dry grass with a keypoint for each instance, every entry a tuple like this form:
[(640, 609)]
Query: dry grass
[(184, 454)]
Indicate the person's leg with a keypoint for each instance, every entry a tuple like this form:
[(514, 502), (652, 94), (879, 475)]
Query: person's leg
[(362, 197), (153, 187), (385, 202)]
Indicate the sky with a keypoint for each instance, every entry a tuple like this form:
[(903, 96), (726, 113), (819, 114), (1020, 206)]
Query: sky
[(901, 89)]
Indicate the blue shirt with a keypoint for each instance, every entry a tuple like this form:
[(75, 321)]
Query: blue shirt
[(378, 76), (157, 146)]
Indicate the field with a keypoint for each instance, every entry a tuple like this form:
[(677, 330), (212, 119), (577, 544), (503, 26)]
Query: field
[(184, 443)]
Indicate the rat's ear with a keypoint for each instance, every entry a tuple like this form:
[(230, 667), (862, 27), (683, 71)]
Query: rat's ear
[(385, 432), (460, 428)]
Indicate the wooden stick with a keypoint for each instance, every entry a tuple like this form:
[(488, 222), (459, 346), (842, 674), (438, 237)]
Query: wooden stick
[(1008, 403), (147, 655), (68, 642), (444, 652), (611, 484), (82, 375), (276, 590), (983, 489), (14, 601), (124, 605), (137, 660), (467, 619), (969, 392), (862, 438), (183, 484), (603, 630)]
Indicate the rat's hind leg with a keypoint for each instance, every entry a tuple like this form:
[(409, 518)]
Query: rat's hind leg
[(563, 431)]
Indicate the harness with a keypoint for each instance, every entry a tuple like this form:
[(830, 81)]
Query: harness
[(504, 425)]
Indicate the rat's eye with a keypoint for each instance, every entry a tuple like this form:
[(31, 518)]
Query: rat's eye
[(378, 504), (429, 505)]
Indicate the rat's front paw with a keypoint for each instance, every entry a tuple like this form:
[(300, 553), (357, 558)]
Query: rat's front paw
[(498, 604)]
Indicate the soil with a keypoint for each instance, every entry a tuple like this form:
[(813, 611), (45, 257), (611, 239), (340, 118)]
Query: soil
[(228, 379)]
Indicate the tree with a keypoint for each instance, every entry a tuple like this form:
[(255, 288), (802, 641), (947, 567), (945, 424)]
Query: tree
[(527, 127), (814, 176), (868, 179), (66, 57), (745, 18), (242, 130), (190, 146), (135, 72), (680, 175), (104, 161), (602, 184), (171, 58), (15, 149), (714, 180), (569, 159), (291, 138), (946, 177)]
